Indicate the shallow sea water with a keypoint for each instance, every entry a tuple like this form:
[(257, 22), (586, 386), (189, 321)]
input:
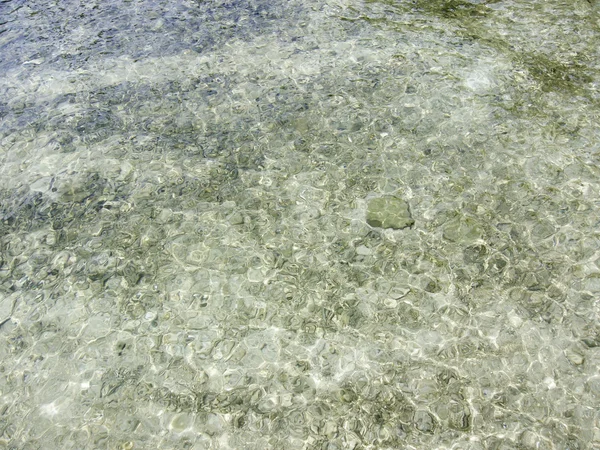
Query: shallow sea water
[(185, 257)]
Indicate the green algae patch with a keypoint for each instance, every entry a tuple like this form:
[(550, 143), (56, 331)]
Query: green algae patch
[(389, 212), (454, 9)]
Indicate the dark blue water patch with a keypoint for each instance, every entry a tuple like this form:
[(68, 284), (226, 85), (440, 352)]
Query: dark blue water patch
[(71, 34), (4, 110), (158, 111)]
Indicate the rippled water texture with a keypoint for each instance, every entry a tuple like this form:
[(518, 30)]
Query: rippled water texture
[(190, 194)]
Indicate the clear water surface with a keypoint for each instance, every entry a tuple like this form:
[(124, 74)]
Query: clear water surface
[(185, 257)]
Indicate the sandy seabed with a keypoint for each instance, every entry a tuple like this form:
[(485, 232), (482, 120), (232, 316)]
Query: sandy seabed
[(185, 258)]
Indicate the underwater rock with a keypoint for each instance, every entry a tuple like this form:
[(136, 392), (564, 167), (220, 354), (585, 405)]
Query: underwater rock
[(389, 212)]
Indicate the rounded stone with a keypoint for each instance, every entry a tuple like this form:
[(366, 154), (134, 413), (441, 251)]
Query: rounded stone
[(389, 212)]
